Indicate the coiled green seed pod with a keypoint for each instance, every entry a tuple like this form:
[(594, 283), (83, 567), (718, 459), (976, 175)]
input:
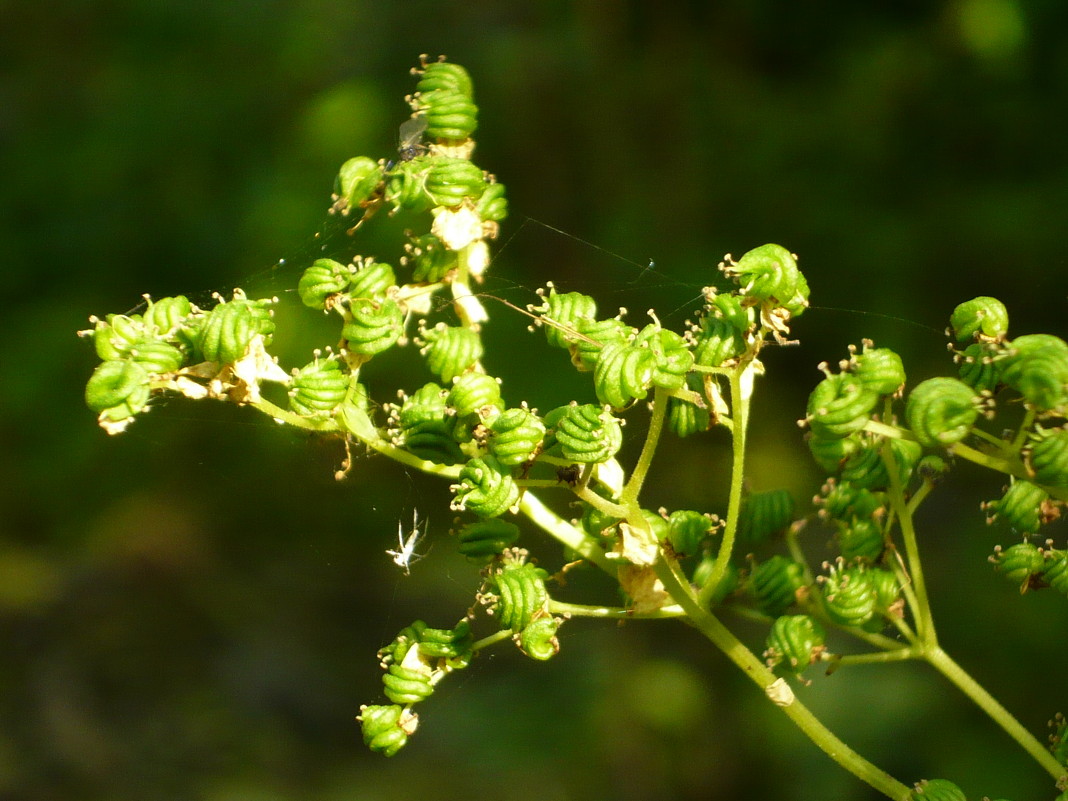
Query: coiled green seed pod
[(493, 205), (405, 186), (113, 337), (586, 352), (230, 328), (831, 452), (980, 318), (444, 75), (407, 685), (775, 583), (860, 540), (769, 273), (718, 341), (483, 540), (451, 350), (688, 531), (623, 373), (588, 434), (325, 278), (1019, 562), (937, 790), (849, 596), (452, 646), (978, 368), (685, 418), (839, 406), (485, 488), (880, 370), (430, 260), (941, 411), (763, 515), (538, 638), (732, 308), (842, 501), (1036, 366), (521, 595), (428, 403), (386, 728), (1047, 456), (1058, 741), (565, 309), (887, 589), (433, 441), (318, 387), (795, 642), (673, 357), (357, 180), (451, 116), (451, 180), (1020, 507), (1055, 570), (515, 436), (476, 394), (157, 356), (371, 279), (165, 316), (118, 390), (372, 326), (865, 468)]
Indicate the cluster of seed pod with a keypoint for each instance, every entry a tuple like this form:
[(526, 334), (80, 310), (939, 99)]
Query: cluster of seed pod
[(417, 659), (516, 596)]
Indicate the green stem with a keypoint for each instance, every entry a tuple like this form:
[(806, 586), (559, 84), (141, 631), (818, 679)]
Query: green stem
[(574, 538), (875, 658), (759, 673), (492, 639), (921, 611), (942, 662), (741, 382), (612, 612), (656, 424)]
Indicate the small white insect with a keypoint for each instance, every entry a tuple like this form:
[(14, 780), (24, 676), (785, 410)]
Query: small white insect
[(405, 553)]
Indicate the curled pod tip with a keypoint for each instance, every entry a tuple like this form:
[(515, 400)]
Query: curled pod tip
[(562, 312), (356, 182), (982, 318), (1047, 456), (1019, 563), (324, 279), (520, 595), (763, 515), (937, 790), (493, 205), (849, 596), (1036, 366), (624, 373), (673, 358), (386, 729), (318, 387), (442, 74), (485, 488), (371, 279), (880, 370), (1022, 507), (475, 393), (405, 685), (372, 326), (769, 273), (588, 434), (118, 390), (795, 642), (840, 405), (516, 435), (596, 334), (775, 582), (941, 411), (165, 316), (538, 638), (483, 540), (451, 350)]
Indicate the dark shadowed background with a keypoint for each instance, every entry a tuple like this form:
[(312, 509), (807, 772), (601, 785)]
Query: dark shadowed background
[(191, 610)]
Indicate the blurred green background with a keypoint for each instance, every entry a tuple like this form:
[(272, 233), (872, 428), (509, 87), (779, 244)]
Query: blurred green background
[(191, 610)]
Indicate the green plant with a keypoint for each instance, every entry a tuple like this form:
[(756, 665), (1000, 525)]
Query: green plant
[(500, 456)]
